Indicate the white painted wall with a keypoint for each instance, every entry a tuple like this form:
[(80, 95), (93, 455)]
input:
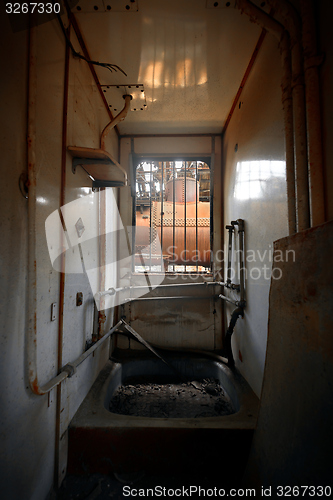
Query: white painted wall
[(256, 134), (28, 421)]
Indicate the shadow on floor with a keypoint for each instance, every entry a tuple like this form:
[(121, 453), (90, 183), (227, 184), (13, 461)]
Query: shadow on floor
[(101, 487)]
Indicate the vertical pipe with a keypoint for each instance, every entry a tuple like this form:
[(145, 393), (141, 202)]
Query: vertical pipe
[(162, 213), (211, 193), (241, 259), (289, 130), (293, 25), (114, 338), (150, 211), (302, 184), (185, 165), (58, 474), (312, 95), (32, 260), (102, 259), (174, 210), (132, 163), (196, 212), (230, 230)]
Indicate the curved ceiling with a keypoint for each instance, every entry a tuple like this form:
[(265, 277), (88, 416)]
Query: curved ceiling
[(184, 60)]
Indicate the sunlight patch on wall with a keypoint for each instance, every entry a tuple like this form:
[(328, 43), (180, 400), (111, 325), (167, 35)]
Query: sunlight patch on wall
[(257, 179)]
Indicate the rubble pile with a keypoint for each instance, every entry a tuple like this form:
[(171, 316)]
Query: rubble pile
[(193, 399)]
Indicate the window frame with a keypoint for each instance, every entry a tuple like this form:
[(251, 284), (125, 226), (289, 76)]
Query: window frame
[(136, 159)]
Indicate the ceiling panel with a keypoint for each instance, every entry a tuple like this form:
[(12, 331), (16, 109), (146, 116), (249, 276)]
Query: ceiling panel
[(188, 56)]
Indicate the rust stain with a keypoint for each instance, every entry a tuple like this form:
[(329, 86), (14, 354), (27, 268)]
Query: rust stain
[(35, 386), (240, 355)]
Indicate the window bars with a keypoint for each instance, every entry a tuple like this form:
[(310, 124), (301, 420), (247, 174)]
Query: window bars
[(173, 205)]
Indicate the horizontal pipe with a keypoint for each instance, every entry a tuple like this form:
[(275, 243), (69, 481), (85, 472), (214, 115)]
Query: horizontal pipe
[(190, 297), (113, 291), (223, 297), (53, 383), (232, 286), (69, 369), (93, 348)]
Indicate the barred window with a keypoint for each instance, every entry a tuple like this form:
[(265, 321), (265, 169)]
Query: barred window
[(173, 216)]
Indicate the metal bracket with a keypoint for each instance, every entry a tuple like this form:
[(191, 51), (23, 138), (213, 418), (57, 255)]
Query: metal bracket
[(86, 161), (96, 183), (100, 184)]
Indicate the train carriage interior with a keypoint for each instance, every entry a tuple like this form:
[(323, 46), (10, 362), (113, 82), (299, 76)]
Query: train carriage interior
[(166, 248)]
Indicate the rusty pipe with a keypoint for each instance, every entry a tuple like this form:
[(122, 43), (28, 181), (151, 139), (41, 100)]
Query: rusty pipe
[(292, 23), (120, 117), (287, 104), (260, 17), (313, 112), (32, 259)]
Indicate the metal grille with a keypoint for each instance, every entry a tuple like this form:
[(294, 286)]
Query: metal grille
[(173, 216)]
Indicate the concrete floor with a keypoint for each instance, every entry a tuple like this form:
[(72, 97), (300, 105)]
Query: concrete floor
[(103, 487)]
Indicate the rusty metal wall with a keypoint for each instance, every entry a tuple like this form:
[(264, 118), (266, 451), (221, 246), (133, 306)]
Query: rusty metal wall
[(293, 441)]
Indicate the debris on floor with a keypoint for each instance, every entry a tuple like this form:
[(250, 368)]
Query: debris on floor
[(193, 399)]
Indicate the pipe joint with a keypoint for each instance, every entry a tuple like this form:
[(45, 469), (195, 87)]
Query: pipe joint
[(297, 81), (70, 369), (242, 305), (313, 62), (240, 223), (286, 92)]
